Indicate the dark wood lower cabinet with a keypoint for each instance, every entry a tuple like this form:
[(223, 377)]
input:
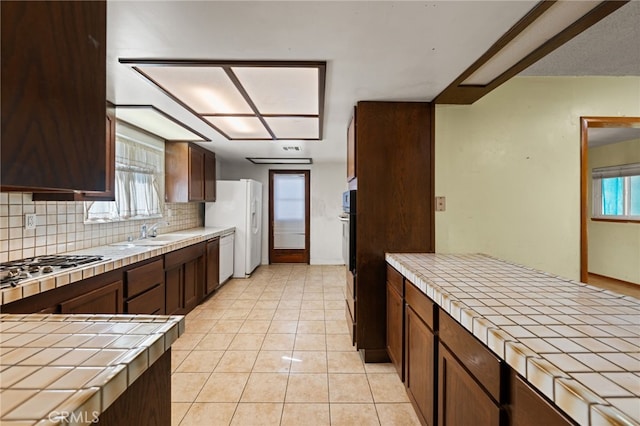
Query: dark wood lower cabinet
[(173, 286), (529, 408), (104, 300), (461, 401), (184, 279), (395, 328), (451, 377), (420, 380), (146, 402), (213, 266), (144, 289), (192, 283)]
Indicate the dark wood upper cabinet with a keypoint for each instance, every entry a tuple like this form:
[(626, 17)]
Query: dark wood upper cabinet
[(109, 193), (53, 84), (189, 173)]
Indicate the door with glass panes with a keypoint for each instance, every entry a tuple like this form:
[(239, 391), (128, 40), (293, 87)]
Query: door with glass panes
[(289, 216)]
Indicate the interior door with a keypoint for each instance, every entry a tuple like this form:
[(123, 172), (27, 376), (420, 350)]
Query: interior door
[(289, 216)]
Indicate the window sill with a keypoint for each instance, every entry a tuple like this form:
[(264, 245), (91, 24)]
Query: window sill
[(621, 220)]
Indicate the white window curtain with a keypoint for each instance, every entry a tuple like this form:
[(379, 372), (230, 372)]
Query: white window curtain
[(138, 179)]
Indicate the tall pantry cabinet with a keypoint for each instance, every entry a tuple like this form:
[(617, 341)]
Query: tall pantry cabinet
[(390, 162)]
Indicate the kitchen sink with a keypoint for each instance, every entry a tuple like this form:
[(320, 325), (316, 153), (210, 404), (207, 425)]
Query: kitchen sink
[(160, 240)]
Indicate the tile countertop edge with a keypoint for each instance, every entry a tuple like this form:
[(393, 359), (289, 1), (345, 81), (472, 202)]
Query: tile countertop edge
[(116, 258), (154, 335), (579, 402)]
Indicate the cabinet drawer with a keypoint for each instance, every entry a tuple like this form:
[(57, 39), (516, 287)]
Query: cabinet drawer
[(395, 280), (529, 408), (144, 277), (421, 304), (149, 302), (471, 353), (184, 255)]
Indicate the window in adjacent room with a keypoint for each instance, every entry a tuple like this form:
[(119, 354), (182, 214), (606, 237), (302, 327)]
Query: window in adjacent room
[(138, 184), (616, 192)]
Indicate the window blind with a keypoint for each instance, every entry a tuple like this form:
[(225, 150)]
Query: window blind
[(622, 170)]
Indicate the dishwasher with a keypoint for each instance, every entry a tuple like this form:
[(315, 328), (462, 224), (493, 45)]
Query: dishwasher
[(226, 257)]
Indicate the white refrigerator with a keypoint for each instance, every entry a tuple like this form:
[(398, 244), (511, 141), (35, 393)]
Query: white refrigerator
[(239, 204)]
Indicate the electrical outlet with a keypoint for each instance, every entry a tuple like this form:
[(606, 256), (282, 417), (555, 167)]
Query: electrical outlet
[(30, 221), (440, 204)]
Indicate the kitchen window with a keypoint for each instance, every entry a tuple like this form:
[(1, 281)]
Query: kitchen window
[(616, 192), (138, 183)]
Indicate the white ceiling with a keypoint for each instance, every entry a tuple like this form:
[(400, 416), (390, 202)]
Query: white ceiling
[(375, 50), (599, 136)]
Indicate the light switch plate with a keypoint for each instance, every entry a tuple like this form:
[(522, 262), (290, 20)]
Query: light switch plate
[(30, 221), (440, 204)]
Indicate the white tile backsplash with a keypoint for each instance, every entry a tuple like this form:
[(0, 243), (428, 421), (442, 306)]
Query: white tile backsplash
[(60, 226)]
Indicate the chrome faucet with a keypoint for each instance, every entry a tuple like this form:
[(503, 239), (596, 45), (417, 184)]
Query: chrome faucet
[(152, 231)]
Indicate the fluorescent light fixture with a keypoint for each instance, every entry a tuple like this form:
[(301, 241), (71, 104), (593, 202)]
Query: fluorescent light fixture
[(554, 20), (271, 160), (245, 100), (547, 26), (157, 122), (280, 90)]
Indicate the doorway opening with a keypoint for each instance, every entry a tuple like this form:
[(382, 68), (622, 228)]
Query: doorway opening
[(289, 213), (609, 138)]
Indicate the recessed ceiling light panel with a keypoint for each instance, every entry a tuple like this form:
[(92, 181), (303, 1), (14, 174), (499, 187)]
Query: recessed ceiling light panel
[(281, 90), (207, 90), (243, 99), (240, 127), (293, 127), (157, 122)]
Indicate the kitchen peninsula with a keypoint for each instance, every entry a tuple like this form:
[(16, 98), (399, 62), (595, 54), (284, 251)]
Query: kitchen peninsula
[(520, 346), (81, 368)]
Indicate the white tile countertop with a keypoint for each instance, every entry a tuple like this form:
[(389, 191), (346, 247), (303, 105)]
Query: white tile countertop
[(56, 365), (116, 256), (577, 344)]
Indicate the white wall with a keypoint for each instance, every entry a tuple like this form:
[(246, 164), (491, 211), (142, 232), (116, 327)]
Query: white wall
[(509, 166), (614, 247), (328, 182)]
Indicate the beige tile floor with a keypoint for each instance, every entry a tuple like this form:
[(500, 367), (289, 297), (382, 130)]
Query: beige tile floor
[(274, 349)]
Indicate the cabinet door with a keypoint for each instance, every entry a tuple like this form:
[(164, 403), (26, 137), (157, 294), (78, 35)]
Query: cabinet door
[(351, 148), (196, 174), (461, 401), (53, 95), (529, 408), (420, 366), (104, 300), (209, 176), (173, 293), (191, 289), (395, 329), (213, 266)]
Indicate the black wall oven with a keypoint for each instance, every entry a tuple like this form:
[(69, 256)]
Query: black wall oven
[(348, 219)]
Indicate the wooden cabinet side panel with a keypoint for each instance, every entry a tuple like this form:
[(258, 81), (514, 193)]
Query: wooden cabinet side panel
[(351, 148), (196, 174), (213, 266), (209, 176), (461, 401), (395, 329), (53, 95), (420, 366), (176, 165)]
